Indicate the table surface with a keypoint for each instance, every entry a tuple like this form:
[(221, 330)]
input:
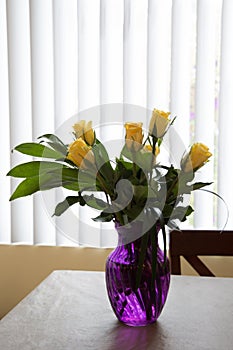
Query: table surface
[(70, 310)]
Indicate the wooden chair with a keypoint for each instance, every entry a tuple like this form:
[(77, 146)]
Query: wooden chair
[(193, 243)]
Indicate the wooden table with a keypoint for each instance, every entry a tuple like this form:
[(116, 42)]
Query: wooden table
[(70, 310)]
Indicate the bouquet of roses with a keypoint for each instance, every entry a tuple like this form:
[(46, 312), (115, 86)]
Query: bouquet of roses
[(133, 183)]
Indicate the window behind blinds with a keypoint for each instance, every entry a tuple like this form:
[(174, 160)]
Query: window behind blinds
[(59, 58)]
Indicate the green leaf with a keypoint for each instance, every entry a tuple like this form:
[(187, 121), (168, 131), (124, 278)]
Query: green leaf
[(64, 176), (173, 225), (127, 153), (122, 164), (26, 187), (144, 192), (189, 210), (52, 138), (34, 184), (142, 158), (45, 181), (54, 142), (59, 148), (70, 200), (172, 122), (103, 217), (167, 210), (181, 213), (38, 150), (64, 205), (94, 202), (34, 168), (145, 160), (171, 175), (198, 185), (67, 174), (123, 170), (102, 150), (88, 181), (134, 211), (102, 161), (72, 186)]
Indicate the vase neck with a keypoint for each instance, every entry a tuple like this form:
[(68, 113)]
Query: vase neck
[(131, 234)]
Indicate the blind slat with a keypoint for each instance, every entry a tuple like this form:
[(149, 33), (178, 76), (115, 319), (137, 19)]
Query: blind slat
[(225, 121), (159, 54), (5, 222), (88, 54), (42, 102), (18, 31), (111, 94), (89, 95), (205, 101), (135, 52), (65, 96), (183, 26), (111, 51)]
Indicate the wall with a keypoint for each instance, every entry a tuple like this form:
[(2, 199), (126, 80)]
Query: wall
[(221, 266), (22, 268)]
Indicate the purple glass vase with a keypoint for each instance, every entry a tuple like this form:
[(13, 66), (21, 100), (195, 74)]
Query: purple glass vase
[(141, 304)]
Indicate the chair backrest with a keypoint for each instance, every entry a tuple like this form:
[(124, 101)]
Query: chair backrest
[(193, 243)]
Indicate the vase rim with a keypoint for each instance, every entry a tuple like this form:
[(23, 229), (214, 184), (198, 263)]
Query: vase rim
[(131, 231)]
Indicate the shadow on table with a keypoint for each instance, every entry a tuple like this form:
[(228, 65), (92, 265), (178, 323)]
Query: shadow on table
[(137, 338)]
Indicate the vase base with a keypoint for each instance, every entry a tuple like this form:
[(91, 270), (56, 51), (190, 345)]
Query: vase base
[(137, 323)]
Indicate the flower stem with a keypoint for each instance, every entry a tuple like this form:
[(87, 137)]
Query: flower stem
[(174, 182), (154, 141), (102, 183), (134, 165)]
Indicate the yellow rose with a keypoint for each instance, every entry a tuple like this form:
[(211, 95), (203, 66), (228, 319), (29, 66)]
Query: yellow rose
[(196, 158), (79, 128), (84, 130), (80, 153), (159, 123), (148, 148), (134, 136)]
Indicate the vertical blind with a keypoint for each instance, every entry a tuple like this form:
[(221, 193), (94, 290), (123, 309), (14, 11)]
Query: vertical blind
[(59, 58)]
